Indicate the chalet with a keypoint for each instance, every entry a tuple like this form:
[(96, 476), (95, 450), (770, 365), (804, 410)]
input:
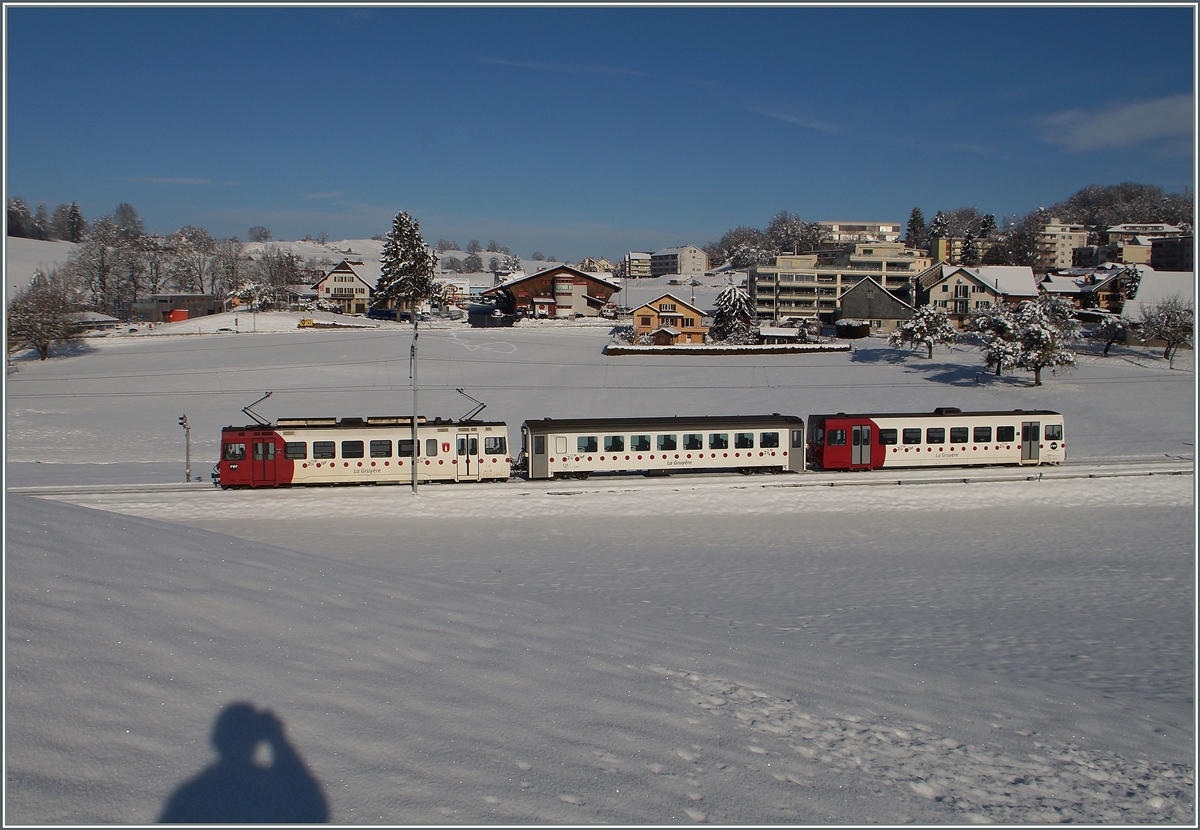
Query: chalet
[(869, 301), (561, 291), (960, 290), (1104, 287), (669, 321), (347, 285)]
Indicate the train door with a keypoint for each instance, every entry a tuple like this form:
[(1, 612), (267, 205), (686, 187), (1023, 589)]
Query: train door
[(262, 464), (466, 456), (860, 445), (1031, 436)]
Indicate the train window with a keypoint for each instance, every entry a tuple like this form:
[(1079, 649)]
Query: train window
[(797, 438), (235, 452), (1053, 432), (404, 448), (958, 435), (587, 443), (718, 441), (323, 449), (768, 439), (983, 435), (352, 449), (693, 441), (639, 443), (1006, 433), (667, 442), (837, 438), (381, 449), (264, 451), (431, 447), (614, 443), (888, 436), (911, 435), (539, 445), (935, 435), (295, 449), (560, 444), (743, 440), (497, 445)]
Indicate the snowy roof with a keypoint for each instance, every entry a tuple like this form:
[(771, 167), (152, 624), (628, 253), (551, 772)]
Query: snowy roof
[(598, 276), (672, 298), (669, 330), (1010, 280), (1156, 286), (675, 250)]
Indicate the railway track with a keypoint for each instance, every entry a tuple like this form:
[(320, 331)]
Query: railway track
[(1079, 469)]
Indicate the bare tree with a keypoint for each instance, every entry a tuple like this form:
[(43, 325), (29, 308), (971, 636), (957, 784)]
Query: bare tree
[(259, 234), (41, 315), (193, 249)]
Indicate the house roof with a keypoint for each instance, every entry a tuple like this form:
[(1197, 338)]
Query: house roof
[(595, 276), (673, 298), (1010, 280), (1156, 286), (675, 250), (348, 266)]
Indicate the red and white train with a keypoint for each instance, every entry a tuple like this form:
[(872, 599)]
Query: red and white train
[(305, 451)]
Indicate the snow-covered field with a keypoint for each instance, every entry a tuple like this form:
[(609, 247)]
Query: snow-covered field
[(718, 649)]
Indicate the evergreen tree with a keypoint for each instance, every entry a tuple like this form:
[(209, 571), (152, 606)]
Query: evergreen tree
[(915, 234), (928, 326), (20, 221), (970, 251), (939, 228), (41, 223), (406, 267), (733, 320), (76, 227)]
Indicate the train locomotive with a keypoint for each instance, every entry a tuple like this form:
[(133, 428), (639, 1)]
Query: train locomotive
[(312, 451)]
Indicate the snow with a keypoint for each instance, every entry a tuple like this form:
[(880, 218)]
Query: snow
[(721, 649), (23, 257)]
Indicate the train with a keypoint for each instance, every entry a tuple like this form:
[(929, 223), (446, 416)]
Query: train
[(379, 450)]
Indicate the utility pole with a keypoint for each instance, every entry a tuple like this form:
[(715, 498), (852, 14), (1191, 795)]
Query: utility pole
[(187, 432), (413, 359)]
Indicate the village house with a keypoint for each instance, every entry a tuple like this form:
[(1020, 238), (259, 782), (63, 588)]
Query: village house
[(669, 321), (347, 286), (960, 290), (869, 301), (561, 291)]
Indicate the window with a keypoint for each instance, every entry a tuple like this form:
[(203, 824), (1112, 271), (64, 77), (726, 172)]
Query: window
[(539, 445), (497, 444), (1053, 432), (693, 441), (718, 441), (912, 435), (323, 449), (645, 321), (837, 438), (667, 442), (768, 440), (560, 444), (743, 440), (983, 435), (935, 435), (666, 306), (958, 435), (797, 438), (614, 443), (404, 448), (431, 447), (587, 443), (264, 451), (946, 287), (381, 449), (639, 443), (235, 452), (888, 437), (352, 449), (1006, 433), (295, 449)]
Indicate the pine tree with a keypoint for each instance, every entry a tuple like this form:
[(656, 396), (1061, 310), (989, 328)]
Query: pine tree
[(915, 234), (939, 228), (928, 326), (76, 226), (733, 320), (970, 251), (406, 267), (20, 221)]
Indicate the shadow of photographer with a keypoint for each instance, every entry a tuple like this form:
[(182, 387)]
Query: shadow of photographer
[(239, 788)]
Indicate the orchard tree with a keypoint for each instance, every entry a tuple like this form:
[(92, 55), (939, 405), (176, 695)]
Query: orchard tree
[(928, 326), (1170, 320), (473, 247), (406, 267), (1045, 331), (41, 315), (996, 328), (472, 264), (733, 319), (1111, 329)]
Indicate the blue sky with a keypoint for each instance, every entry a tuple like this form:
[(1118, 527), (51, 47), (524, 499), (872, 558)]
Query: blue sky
[(588, 131)]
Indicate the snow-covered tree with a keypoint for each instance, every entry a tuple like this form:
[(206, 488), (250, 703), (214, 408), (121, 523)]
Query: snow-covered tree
[(229, 266), (788, 232), (733, 319), (406, 267), (1111, 329), (473, 264), (259, 234), (938, 228), (1172, 321), (928, 326), (970, 251), (68, 223), (1045, 332), (511, 265), (20, 220), (914, 236), (996, 328), (39, 316)]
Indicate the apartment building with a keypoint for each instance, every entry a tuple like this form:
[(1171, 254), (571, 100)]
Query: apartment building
[(1121, 234), (687, 260), (842, 232), (637, 264), (949, 248), (1056, 243), (809, 285)]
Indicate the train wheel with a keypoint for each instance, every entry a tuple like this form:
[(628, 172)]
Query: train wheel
[(582, 476)]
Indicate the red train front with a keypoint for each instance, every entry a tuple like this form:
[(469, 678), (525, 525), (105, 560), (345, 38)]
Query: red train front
[(253, 457)]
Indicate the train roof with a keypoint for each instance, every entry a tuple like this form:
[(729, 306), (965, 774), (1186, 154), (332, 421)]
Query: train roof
[(940, 412), (673, 422), (364, 423)]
